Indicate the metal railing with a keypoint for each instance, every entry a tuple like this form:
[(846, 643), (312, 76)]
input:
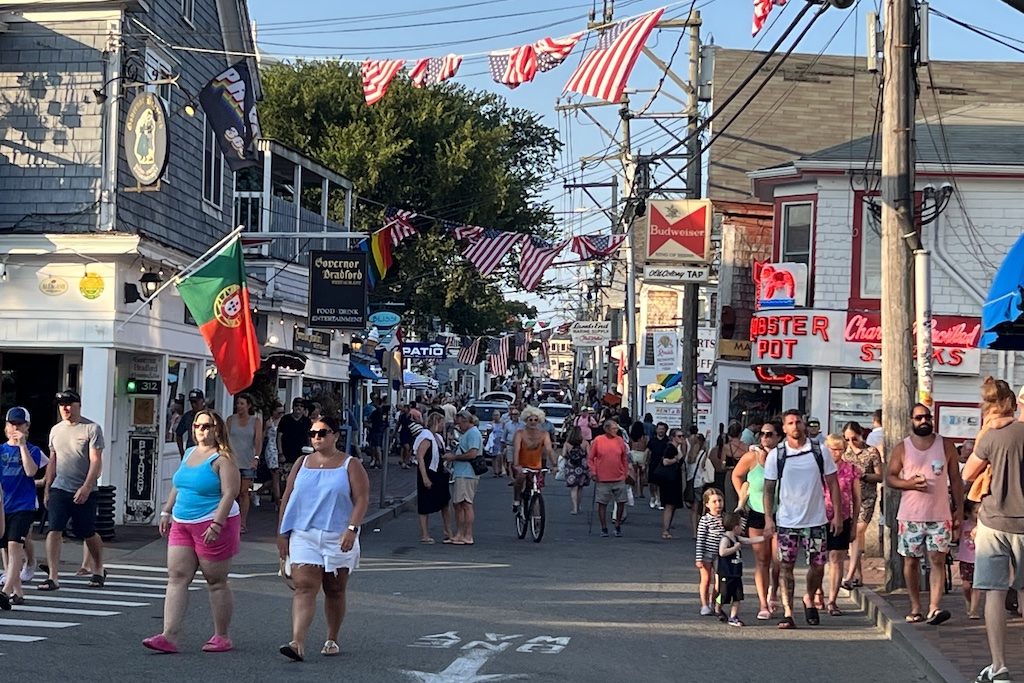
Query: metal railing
[(248, 212)]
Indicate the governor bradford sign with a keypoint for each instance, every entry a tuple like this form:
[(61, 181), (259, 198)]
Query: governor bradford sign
[(678, 231), (337, 289)]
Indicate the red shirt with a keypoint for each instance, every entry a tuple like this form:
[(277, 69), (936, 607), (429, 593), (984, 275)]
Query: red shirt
[(607, 458)]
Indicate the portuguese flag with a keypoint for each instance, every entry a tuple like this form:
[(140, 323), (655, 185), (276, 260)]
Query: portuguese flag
[(218, 299)]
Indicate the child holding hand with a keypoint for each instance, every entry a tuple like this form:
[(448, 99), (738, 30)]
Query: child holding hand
[(730, 564), (709, 534)]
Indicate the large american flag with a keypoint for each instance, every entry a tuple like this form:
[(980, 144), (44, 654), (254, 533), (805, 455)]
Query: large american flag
[(597, 246), (399, 222), (434, 70), (489, 247), (469, 350), (497, 354), (545, 350), (552, 51), (537, 257), (762, 8), (603, 73), (513, 67), (522, 352), (377, 75)]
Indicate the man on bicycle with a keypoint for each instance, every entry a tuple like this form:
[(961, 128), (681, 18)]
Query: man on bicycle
[(531, 448)]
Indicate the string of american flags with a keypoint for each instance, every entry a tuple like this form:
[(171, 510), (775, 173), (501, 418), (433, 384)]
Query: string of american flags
[(497, 348)]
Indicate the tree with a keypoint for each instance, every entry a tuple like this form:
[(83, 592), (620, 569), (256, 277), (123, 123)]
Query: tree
[(449, 151)]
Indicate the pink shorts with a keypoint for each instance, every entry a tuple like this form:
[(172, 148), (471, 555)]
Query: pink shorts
[(191, 535)]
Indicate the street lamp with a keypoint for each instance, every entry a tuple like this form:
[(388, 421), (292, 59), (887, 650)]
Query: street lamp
[(150, 282), (189, 108)]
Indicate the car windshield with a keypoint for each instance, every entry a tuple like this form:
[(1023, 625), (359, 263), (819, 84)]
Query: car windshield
[(557, 411), (550, 386)]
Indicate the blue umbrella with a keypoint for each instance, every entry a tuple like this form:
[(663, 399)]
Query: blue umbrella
[(1002, 316)]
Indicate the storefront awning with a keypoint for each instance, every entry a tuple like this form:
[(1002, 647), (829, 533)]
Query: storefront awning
[(1002, 316), (358, 370), (283, 358)]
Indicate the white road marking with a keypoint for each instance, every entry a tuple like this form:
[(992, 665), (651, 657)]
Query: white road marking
[(84, 601), (28, 623), (119, 584), (463, 670), (65, 610), (105, 592), (8, 638), (163, 570), (75, 578)]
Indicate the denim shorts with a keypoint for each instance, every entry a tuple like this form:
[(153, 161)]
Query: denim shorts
[(994, 551)]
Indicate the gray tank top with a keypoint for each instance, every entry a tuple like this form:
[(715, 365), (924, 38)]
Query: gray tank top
[(242, 441)]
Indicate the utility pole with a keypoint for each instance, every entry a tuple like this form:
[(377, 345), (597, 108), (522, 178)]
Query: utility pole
[(629, 164), (898, 385), (693, 191)]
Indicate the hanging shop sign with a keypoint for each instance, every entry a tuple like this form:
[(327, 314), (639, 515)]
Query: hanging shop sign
[(676, 274), (666, 352), (591, 332), (707, 338), (140, 503), (780, 285), (424, 351), (337, 290), (312, 342), (146, 138), (385, 320), (91, 286), (734, 349), (679, 231), (53, 286)]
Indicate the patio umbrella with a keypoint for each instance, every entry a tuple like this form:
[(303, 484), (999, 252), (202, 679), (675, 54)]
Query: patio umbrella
[(674, 394), (1002, 316)]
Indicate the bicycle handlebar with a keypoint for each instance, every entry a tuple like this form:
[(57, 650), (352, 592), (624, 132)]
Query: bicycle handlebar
[(543, 470)]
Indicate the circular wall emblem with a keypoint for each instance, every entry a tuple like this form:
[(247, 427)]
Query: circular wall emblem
[(146, 138), (91, 286), (53, 286), (227, 307)]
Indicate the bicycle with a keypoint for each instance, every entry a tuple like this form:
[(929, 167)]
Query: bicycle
[(530, 513)]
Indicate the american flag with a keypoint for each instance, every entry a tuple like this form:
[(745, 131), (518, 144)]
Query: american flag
[(434, 70), (377, 75), (497, 354), (552, 51), (603, 73), (545, 350), (399, 221), (597, 246), (563, 328), (522, 353), (536, 259), (489, 247), (762, 8), (466, 232), (469, 351), (513, 67)]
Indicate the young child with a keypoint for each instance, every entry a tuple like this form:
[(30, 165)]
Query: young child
[(709, 535), (730, 564), (965, 555)]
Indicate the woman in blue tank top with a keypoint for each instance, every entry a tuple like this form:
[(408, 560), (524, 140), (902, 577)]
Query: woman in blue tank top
[(201, 523), (321, 511)]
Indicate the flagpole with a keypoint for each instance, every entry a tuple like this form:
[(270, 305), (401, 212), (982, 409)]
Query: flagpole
[(185, 272)]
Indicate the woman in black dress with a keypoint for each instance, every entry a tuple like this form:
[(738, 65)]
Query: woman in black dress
[(577, 474), (432, 484), (670, 479)]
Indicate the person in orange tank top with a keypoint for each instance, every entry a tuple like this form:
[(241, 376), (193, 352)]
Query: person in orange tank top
[(921, 466), (531, 448)]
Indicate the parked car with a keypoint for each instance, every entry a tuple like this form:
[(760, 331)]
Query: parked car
[(552, 392), (557, 414), (505, 396)]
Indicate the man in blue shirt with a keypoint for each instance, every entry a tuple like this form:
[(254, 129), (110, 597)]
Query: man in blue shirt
[(19, 462), (471, 444)]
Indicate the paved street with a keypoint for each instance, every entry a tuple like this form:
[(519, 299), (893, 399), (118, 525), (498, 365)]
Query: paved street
[(574, 607)]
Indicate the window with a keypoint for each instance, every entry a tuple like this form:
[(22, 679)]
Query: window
[(188, 11), (796, 233), (158, 68), (213, 168), (870, 255)]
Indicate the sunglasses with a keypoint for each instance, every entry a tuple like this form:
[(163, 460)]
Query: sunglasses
[(768, 435), (921, 418), (319, 433), (202, 426), (813, 424)]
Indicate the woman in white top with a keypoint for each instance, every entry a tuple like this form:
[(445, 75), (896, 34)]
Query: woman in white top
[(432, 486), (245, 428)]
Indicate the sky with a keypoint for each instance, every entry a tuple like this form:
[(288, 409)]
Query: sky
[(412, 29)]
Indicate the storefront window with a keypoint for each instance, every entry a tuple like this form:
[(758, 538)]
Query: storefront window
[(748, 401), (180, 378), (853, 398)]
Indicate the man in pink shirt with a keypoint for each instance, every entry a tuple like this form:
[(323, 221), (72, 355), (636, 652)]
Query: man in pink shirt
[(608, 466), (926, 468)]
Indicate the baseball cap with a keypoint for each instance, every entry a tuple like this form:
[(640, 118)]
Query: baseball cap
[(18, 415), (195, 394), (813, 421), (68, 396)]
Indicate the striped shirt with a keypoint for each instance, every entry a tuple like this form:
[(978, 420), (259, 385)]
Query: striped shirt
[(709, 534)]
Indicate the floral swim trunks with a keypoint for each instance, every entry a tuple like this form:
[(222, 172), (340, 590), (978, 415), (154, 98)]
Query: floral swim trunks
[(917, 538), (812, 539)]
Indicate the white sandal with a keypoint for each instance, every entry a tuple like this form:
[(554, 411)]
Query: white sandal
[(330, 649)]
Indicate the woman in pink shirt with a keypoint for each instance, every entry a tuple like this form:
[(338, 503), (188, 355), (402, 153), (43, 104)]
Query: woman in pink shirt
[(849, 492)]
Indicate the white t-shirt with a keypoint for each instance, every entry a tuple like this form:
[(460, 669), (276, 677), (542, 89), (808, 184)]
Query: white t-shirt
[(875, 439), (801, 496)]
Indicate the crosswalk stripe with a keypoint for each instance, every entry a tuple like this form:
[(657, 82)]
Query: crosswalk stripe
[(10, 638), (28, 623), (86, 601), (119, 584), (71, 576), (66, 610), (123, 594)]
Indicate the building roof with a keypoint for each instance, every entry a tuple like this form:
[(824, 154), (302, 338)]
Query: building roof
[(816, 102)]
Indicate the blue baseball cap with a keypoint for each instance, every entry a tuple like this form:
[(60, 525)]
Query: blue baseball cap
[(18, 415)]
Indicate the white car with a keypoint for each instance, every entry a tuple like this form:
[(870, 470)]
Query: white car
[(505, 396), (557, 414)]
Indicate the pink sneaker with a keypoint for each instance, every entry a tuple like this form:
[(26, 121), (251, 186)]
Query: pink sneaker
[(160, 643), (217, 644)]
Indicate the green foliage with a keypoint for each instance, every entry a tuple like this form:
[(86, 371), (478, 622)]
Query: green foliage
[(449, 151)]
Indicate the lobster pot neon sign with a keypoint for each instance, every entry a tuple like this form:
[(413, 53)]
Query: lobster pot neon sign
[(780, 285)]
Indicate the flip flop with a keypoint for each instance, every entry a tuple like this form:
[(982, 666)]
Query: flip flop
[(448, 541), (291, 651), (938, 616), (914, 618), (97, 581), (427, 541), (160, 643), (217, 644), (82, 571), (787, 624), (811, 616), (48, 585), (764, 615), (330, 649)]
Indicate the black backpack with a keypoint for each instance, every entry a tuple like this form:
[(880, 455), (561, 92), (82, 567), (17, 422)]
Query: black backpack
[(781, 457)]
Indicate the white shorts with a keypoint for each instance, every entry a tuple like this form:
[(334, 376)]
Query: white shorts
[(322, 549)]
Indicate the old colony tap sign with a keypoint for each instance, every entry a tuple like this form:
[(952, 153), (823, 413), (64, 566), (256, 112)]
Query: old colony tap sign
[(852, 340)]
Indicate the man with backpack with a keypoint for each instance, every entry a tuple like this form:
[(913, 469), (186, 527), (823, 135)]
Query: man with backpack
[(799, 519)]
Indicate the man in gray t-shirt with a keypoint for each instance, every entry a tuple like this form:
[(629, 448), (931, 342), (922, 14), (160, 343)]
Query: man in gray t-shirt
[(76, 455)]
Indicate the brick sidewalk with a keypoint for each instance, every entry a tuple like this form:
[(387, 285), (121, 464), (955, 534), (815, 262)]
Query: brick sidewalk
[(961, 641)]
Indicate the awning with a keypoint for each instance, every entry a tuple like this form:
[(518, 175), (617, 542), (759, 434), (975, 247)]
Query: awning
[(283, 358), (359, 370), (411, 380), (1002, 316)]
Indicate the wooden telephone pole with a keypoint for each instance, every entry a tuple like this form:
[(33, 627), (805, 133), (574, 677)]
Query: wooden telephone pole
[(898, 384)]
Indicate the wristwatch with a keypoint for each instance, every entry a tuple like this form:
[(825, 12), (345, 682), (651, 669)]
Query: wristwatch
[(353, 528)]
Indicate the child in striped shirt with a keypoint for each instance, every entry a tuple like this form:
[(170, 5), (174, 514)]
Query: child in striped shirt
[(709, 535)]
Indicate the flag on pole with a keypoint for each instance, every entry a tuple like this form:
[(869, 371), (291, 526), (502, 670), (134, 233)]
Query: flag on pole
[(563, 328), (537, 257), (513, 67), (762, 8), (552, 51), (603, 73), (399, 222), (469, 351), (377, 76), (497, 355), (229, 101), (392, 362), (434, 70), (218, 299), (597, 246), (522, 352), (489, 247), (378, 248)]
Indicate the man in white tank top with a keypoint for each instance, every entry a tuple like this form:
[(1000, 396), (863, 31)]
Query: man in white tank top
[(925, 467)]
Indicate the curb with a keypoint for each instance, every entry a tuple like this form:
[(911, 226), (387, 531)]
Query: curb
[(923, 653), (382, 516)]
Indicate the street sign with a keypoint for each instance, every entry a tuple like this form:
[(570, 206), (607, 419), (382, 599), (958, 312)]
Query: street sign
[(676, 274), (384, 320)]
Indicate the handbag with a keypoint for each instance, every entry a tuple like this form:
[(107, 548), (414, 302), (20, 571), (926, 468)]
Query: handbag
[(480, 465), (560, 474)]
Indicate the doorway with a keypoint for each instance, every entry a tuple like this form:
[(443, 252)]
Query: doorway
[(31, 380)]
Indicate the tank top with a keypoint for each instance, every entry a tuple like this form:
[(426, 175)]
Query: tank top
[(755, 490), (242, 441), (321, 499), (530, 457), (931, 505), (198, 491)]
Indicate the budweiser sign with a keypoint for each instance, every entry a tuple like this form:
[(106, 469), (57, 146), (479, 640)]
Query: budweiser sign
[(679, 231)]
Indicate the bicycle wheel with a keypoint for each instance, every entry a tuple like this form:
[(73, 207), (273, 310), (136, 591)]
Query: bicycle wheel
[(537, 517), (521, 524)]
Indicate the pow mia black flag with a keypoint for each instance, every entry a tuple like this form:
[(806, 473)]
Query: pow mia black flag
[(229, 101)]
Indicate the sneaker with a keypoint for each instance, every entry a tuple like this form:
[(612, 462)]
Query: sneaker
[(604, 533), (27, 574), (653, 504), (3, 579), (987, 675), (734, 621), (706, 611), (618, 532)]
